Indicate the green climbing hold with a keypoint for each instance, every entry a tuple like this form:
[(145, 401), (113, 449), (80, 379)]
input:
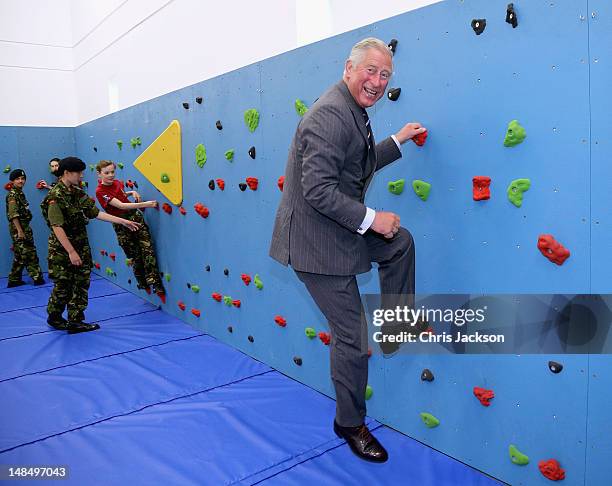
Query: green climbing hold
[(517, 457), (164, 178), (92, 167), (120, 165), (429, 420), (258, 282), (369, 392), (200, 155), (516, 189), (229, 154), (515, 134), (128, 262), (195, 288), (310, 332), (396, 187), (167, 277), (227, 300), (7, 169), (300, 107), (135, 142), (109, 271), (120, 144), (421, 188), (251, 118)]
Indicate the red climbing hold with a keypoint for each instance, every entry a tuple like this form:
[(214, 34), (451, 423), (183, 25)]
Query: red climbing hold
[(112, 256), (162, 296), (8, 186), (129, 183), (245, 278), (195, 312), (217, 296), (181, 305), (281, 183), (484, 395), (167, 208), (552, 249), (481, 188), (236, 303), (220, 184), (252, 182), (420, 138), (280, 321), (182, 210), (97, 265), (325, 338), (551, 469), (201, 210)]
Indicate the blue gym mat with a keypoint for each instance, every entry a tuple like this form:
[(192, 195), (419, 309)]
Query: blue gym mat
[(149, 400)]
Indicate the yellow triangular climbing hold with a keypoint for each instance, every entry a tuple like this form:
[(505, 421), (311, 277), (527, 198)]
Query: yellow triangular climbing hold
[(160, 163)]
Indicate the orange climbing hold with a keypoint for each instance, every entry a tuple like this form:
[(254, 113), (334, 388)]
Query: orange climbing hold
[(325, 338), (201, 210), (484, 395), (220, 184), (281, 183), (167, 208), (252, 182), (181, 305), (182, 210), (245, 278), (217, 296), (552, 249), (280, 321), (195, 312), (551, 469)]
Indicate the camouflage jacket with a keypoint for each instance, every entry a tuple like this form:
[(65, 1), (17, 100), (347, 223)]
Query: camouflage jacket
[(17, 207)]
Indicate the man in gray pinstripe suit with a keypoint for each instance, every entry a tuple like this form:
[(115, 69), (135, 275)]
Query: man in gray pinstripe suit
[(327, 234)]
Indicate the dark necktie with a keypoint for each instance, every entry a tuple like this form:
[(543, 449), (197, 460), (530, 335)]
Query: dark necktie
[(366, 119)]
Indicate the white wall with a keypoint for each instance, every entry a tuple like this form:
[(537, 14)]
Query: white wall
[(66, 62)]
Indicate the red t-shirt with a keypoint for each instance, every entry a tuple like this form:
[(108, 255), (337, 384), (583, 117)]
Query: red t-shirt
[(105, 194)]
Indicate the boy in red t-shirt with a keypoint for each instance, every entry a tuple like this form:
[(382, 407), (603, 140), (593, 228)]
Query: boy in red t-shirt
[(137, 245)]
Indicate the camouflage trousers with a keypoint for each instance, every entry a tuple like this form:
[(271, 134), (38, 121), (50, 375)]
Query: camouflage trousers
[(24, 256), (138, 247)]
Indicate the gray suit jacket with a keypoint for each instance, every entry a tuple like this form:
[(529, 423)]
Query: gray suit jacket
[(329, 168)]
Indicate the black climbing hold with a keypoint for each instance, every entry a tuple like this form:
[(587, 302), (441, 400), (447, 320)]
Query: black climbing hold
[(394, 93), (252, 152), (511, 16), (225, 272), (218, 125), (188, 285), (199, 100), (242, 186), (555, 367), (95, 149), (207, 268), (211, 184), (230, 329), (136, 184), (392, 45), (297, 360), (129, 281), (427, 375), (186, 106), (479, 25), (161, 274), (251, 338)]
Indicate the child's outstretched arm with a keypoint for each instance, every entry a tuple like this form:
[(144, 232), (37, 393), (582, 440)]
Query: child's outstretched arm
[(137, 205)]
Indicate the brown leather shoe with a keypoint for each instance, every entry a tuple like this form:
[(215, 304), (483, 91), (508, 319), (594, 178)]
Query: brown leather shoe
[(361, 441)]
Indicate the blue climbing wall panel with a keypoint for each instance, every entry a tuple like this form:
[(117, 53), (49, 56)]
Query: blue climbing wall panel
[(552, 73)]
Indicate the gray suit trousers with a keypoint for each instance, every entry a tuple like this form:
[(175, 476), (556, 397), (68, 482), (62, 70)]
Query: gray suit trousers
[(338, 299)]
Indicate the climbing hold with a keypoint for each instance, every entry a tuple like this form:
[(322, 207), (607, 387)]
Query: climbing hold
[(97, 265), (310, 332), (211, 184), (217, 296), (188, 285), (516, 189), (480, 189), (120, 165), (95, 149), (396, 187), (220, 184), (369, 392), (552, 249), (195, 288), (252, 152), (242, 186), (167, 208), (186, 106), (167, 277), (420, 138), (517, 457), (229, 155), (207, 268), (251, 118), (281, 183), (39, 185), (246, 279), (300, 107), (201, 210), (427, 375), (225, 272), (483, 395), (515, 134), (112, 256), (195, 312), (227, 300), (92, 167), (394, 93), (251, 339), (236, 303), (164, 178), (258, 282), (128, 262), (230, 329), (252, 182), (109, 271), (129, 183), (280, 321), (479, 25), (182, 210), (199, 100), (181, 305), (555, 367), (8, 186), (392, 45), (102, 252), (429, 420), (421, 189), (219, 125), (84, 184), (297, 360), (551, 469), (135, 142), (7, 169), (119, 144), (511, 15), (200, 153), (325, 338)]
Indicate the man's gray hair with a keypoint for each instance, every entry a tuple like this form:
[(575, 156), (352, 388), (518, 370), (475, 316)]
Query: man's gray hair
[(358, 52)]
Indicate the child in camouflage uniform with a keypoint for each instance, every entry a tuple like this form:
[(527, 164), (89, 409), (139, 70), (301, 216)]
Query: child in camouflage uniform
[(19, 216), (67, 210)]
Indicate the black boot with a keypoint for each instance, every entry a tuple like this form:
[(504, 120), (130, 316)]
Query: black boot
[(14, 283), (77, 327), (361, 441), (56, 321), (39, 281)]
